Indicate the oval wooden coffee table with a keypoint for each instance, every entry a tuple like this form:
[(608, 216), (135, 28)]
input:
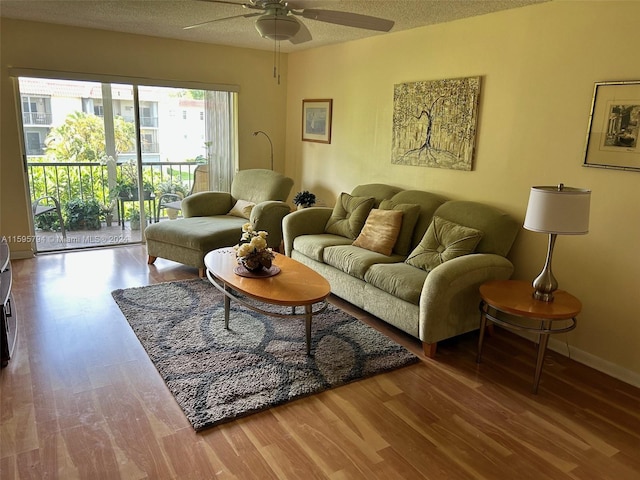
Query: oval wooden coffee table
[(296, 285)]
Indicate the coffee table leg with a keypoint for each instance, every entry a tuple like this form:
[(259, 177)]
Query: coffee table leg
[(227, 306), (308, 316)]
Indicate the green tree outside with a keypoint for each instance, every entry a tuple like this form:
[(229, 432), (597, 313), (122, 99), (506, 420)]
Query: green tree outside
[(81, 138)]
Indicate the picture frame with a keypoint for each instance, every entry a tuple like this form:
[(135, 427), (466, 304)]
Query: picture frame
[(435, 123), (614, 126), (316, 120)]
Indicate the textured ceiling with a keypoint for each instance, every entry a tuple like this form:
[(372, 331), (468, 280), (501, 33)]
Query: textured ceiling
[(166, 18)]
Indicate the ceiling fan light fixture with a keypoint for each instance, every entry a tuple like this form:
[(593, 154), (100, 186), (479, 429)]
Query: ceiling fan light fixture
[(277, 27)]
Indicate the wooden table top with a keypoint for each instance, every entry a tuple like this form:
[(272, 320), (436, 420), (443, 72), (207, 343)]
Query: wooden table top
[(515, 297), (295, 285)]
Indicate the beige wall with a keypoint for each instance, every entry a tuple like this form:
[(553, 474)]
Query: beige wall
[(261, 101), (538, 66)]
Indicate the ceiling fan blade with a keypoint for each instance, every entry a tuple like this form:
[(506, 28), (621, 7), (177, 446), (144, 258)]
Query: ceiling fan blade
[(303, 35), (201, 24), (241, 4), (251, 4), (347, 19)]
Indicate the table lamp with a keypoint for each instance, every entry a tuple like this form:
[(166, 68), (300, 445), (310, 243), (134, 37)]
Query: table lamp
[(557, 211)]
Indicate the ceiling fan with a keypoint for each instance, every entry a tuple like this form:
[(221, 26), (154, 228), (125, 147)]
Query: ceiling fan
[(277, 19)]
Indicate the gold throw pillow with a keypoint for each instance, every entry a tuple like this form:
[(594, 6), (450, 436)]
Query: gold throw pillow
[(380, 231)]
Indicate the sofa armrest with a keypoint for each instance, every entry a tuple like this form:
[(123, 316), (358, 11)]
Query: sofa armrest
[(206, 204), (308, 221), (268, 216), (450, 294)]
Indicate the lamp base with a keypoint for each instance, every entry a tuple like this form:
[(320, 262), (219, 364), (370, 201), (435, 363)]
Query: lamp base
[(545, 284), (543, 296)]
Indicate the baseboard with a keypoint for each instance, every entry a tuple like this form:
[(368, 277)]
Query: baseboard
[(597, 363), (21, 254), (590, 360)]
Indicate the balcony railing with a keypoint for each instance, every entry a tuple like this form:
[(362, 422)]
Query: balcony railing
[(36, 118), (85, 180)]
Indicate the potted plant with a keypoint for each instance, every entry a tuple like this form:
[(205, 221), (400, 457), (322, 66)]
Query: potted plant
[(122, 189), (171, 186), (48, 222), (304, 199), (126, 186), (83, 214), (134, 219), (107, 213), (174, 190)]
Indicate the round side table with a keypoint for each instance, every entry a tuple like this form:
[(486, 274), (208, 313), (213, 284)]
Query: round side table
[(524, 313)]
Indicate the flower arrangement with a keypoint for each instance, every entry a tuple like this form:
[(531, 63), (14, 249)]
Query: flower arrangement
[(304, 198), (252, 251)]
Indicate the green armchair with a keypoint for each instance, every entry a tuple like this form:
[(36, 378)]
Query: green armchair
[(209, 222)]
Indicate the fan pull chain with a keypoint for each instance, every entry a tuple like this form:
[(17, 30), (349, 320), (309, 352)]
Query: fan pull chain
[(275, 47), (274, 59), (276, 53)]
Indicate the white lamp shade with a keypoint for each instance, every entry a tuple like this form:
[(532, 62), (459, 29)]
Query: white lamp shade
[(277, 27), (560, 210)]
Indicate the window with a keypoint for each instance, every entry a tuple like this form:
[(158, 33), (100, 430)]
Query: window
[(36, 110), (34, 143), (161, 148), (148, 117)]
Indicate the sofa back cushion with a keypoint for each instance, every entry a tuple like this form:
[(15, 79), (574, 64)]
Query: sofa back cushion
[(379, 191), (498, 229), (410, 213), (349, 215), (260, 185), (429, 203)]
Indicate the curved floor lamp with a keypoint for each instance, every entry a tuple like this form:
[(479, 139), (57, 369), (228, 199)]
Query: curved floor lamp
[(557, 211), (270, 144)]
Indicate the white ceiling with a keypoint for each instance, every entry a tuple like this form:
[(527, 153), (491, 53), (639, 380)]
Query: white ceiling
[(166, 18)]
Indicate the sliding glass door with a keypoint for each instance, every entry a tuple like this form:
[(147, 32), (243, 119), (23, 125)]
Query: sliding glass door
[(105, 159)]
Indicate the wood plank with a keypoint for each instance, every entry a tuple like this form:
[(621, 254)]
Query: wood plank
[(81, 400)]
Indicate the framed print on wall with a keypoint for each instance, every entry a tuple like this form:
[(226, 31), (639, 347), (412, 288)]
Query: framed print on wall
[(434, 123), (612, 138), (316, 120)]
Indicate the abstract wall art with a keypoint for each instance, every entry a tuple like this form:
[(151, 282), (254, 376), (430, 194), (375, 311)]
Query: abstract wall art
[(434, 123)]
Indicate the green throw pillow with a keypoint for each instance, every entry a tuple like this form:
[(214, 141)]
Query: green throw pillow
[(410, 213), (349, 215), (443, 241)]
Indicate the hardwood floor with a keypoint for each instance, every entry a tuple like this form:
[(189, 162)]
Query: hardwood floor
[(81, 400)]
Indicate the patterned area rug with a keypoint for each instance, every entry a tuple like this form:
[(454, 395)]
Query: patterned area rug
[(217, 375)]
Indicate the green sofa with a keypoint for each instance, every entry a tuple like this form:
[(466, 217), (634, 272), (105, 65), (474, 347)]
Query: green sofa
[(209, 222), (429, 303)]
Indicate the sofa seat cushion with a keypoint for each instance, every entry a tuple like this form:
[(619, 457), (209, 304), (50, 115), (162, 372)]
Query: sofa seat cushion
[(313, 246), (355, 260), (198, 233), (398, 279)]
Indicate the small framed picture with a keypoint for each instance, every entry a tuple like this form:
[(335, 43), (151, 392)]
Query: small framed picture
[(316, 120), (614, 123)]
